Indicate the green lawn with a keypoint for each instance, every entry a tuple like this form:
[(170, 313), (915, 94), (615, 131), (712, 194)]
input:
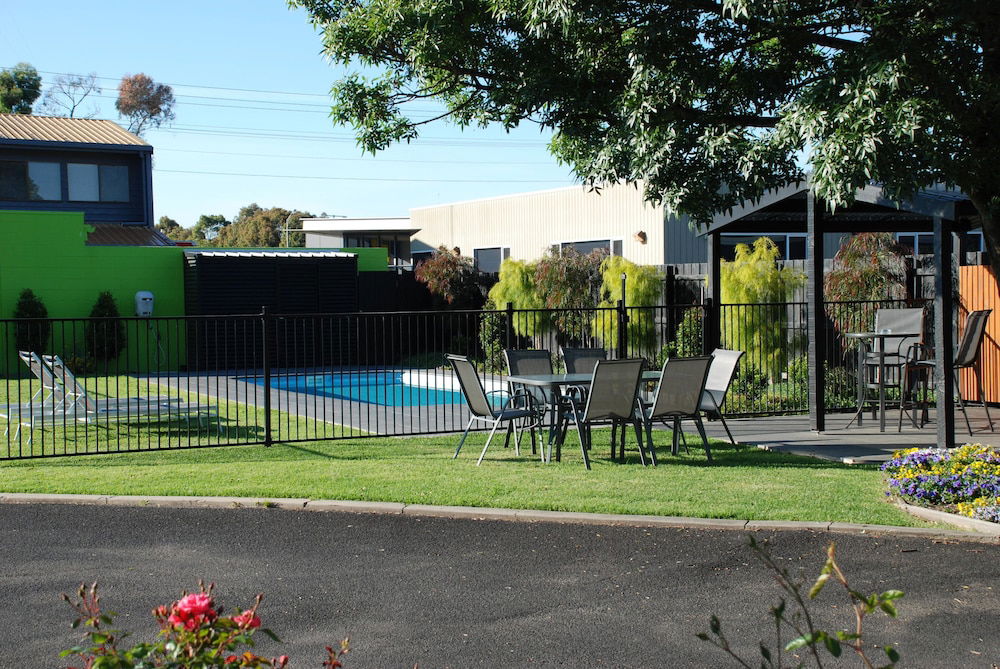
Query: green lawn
[(742, 483)]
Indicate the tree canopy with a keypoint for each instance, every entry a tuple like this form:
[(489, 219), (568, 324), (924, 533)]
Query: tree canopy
[(255, 226), (144, 103), (67, 94), (20, 86), (707, 102)]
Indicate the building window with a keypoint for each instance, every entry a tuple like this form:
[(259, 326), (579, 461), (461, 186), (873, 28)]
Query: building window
[(418, 257), (29, 180), (97, 183), (609, 246), (790, 246), (488, 260)]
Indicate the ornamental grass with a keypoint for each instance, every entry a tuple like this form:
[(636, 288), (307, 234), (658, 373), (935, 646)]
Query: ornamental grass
[(965, 480)]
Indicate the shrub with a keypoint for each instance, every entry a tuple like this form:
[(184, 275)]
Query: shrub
[(754, 277), (452, 278), (516, 286), (570, 280), (643, 288), (492, 330), (106, 338), (689, 338), (33, 336), (193, 633)]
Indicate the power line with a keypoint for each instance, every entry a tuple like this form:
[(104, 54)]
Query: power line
[(377, 161), (322, 178), (214, 88)]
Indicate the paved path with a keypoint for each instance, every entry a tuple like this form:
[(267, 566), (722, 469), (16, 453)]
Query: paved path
[(463, 593)]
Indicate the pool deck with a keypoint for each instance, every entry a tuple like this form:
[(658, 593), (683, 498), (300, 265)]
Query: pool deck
[(789, 434)]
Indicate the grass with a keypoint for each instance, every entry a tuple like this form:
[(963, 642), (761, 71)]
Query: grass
[(743, 483)]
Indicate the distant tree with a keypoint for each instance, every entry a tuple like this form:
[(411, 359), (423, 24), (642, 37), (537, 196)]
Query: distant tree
[(643, 288), (174, 230), (145, 103), (208, 226), (569, 280), (255, 226), (67, 94), (20, 86), (106, 338), (31, 336)]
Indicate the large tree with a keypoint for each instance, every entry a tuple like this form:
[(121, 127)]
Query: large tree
[(708, 102), (255, 226), (144, 103), (20, 86)]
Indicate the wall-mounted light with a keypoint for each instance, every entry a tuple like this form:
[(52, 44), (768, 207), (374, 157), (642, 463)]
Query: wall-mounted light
[(640, 237)]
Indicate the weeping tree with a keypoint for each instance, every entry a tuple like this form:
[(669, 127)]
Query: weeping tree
[(516, 286), (754, 314), (643, 288), (869, 267)]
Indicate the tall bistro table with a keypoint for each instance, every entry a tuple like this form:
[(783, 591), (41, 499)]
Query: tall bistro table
[(863, 339), (553, 382)]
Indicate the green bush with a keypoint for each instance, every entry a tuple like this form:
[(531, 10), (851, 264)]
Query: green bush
[(689, 338), (492, 330), (105, 338), (33, 336), (643, 288)]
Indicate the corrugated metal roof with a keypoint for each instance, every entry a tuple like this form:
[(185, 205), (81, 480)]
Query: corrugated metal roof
[(25, 127), (272, 253), (106, 234)]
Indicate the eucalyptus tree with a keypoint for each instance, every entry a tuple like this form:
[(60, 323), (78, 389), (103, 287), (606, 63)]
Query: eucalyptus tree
[(707, 102)]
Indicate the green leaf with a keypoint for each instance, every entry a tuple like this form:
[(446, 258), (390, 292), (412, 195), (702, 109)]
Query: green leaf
[(832, 645), (892, 653), (844, 635), (714, 625), (269, 634), (892, 594), (818, 585), (765, 652), (889, 608), (804, 640)]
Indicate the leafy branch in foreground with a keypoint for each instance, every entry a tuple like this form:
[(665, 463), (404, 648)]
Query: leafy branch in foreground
[(807, 637)]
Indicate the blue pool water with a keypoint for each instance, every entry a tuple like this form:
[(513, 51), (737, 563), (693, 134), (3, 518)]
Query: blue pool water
[(382, 388)]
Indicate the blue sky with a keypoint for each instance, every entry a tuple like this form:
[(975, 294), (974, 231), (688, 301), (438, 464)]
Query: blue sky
[(277, 125)]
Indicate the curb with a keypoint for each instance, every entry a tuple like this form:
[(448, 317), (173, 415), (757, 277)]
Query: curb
[(484, 513), (968, 524)]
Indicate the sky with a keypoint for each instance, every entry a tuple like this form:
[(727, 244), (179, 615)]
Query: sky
[(252, 90)]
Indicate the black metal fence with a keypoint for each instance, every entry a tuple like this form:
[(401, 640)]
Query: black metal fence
[(82, 386)]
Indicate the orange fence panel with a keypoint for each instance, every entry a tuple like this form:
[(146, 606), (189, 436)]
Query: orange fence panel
[(978, 290)]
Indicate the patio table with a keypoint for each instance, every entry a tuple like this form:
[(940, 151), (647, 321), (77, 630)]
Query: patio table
[(863, 349), (553, 382)]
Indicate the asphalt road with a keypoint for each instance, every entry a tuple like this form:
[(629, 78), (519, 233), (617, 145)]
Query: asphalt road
[(466, 593)]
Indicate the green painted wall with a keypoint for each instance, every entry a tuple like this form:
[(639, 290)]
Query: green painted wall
[(46, 252), (370, 259)]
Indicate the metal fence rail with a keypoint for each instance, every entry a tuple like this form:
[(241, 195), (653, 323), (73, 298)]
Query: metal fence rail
[(134, 384)]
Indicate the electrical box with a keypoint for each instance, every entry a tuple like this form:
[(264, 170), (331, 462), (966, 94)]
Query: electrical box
[(144, 303)]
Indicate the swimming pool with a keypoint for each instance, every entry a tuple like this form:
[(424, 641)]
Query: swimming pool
[(381, 388)]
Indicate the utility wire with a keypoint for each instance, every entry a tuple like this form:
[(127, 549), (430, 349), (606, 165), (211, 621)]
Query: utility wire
[(377, 160), (381, 179)]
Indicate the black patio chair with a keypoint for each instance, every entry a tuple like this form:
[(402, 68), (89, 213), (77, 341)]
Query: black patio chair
[(481, 409), (678, 397), (536, 361), (921, 364), (612, 398), (582, 360)]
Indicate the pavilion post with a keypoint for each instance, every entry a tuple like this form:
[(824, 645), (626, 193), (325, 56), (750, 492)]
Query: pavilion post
[(944, 338), (713, 314), (815, 319)]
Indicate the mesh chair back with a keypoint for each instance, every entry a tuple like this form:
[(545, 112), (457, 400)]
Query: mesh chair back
[(972, 338), (472, 387), (40, 370), (900, 320), (582, 360), (722, 370), (681, 384), (614, 389), (69, 381), (530, 361)]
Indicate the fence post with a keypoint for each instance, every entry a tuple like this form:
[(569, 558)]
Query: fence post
[(622, 330), (266, 322), (509, 330)]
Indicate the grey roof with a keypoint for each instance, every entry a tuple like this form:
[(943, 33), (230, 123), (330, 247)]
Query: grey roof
[(928, 202), (26, 128)]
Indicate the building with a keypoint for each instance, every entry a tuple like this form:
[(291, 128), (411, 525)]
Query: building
[(615, 218), (51, 164)]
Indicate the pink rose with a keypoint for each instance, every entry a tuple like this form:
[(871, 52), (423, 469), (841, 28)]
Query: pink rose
[(192, 611), (247, 620), (281, 662)]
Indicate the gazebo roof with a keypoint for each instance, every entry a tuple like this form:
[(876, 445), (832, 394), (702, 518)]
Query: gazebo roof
[(785, 209)]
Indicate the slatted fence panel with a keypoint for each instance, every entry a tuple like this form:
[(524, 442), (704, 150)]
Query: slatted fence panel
[(978, 290)]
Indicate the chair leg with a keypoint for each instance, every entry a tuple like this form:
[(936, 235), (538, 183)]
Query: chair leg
[(649, 438), (704, 437), (675, 443), (638, 438), (580, 436), (464, 435), (965, 412), (506, 437), (621, 443), (496, 424), (982, 395)]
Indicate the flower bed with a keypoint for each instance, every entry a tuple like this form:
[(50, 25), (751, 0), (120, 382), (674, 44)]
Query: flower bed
[(964, 480)]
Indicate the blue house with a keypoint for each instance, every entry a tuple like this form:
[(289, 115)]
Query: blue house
[(80, 165)]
